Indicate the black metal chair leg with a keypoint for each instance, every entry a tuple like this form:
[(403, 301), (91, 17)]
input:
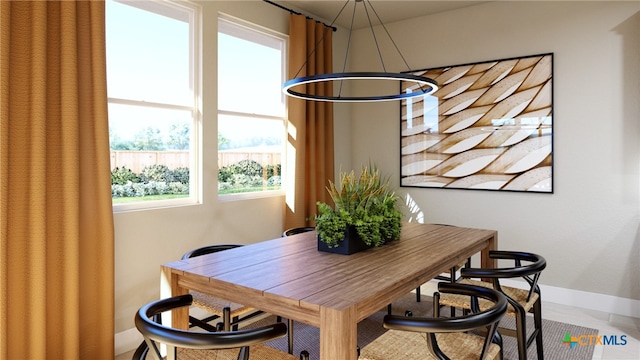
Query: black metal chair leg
[(537, 318), (244, 353), (521, 333), (201, 324)]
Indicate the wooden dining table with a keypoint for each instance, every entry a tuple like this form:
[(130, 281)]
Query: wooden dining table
[(289, 277)]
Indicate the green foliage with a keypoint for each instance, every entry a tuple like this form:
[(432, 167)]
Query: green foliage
[(123, 175), (247, 176), (148, 189), (154, 180), (149, 139), (274, 181), (153, 139), (249, 168), (244, 180), (117, 144), (225, 174), (222, 142), (156, 172), (331, 224), (365, 202), (244, 176), (179, 136), (182, 175), (274, 170)]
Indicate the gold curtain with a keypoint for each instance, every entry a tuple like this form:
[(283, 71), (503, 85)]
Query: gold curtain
[(310, 140), (56, 255)]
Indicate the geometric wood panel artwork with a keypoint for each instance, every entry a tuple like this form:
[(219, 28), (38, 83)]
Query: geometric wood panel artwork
[(489, 126)]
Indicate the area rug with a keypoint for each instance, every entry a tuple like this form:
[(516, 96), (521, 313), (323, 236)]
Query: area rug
[(307, 337)]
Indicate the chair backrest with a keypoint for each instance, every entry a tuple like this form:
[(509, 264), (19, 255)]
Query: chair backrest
[(209, 249), (155, 333), (477, 319), (530, 271), (297, 230)]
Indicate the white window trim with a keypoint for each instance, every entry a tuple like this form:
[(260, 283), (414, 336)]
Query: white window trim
[(195, 151), (228, 20)]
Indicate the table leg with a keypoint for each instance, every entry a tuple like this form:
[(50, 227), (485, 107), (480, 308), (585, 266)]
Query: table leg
[(169, 287), (338, 334), (485, 260)]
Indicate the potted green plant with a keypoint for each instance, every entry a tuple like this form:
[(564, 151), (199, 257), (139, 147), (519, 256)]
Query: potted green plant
[(364, 207)]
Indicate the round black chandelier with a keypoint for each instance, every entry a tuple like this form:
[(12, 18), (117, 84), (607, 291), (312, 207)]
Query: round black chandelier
[(421, 85), (425, 85)]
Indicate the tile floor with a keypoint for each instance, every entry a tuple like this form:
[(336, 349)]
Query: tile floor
[(607, 324)]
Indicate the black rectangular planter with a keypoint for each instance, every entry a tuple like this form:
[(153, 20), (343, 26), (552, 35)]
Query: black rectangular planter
[(350, 245)]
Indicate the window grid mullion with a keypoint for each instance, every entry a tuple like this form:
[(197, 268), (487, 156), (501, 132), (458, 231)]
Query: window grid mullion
[(149, 104)]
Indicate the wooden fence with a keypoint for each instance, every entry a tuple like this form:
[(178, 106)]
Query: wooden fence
[(138, 160)]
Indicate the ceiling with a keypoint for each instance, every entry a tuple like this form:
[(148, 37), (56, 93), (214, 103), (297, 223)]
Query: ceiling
[(388, 11)]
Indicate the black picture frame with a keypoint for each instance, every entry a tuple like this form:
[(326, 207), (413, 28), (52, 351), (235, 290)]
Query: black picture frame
[(489, 126)]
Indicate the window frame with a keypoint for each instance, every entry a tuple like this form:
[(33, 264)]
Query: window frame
[(233, 25), (193, 14)]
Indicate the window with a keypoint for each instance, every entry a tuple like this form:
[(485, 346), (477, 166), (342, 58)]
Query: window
[(152, 72), (251, 110)]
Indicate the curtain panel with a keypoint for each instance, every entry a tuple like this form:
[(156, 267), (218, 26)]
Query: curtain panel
[(310, 130), (56, 221)]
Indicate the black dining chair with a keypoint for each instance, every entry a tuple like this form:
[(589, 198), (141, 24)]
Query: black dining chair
[(527, 266), (466, 336), (230, 313), (242, 344), (452, 275), (297, 230)]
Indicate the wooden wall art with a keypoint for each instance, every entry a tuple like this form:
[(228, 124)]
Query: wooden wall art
[(488, 127)]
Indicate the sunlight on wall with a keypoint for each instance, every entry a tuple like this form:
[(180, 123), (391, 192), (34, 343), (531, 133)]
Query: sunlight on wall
[(290, 169), (415, 213)]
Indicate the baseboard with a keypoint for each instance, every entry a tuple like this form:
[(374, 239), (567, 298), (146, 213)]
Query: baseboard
[(587, 300), (581, 299), (127, 340), (130, 339)]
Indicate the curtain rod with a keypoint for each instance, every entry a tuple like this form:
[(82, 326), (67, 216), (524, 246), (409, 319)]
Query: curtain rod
[(297, 13)]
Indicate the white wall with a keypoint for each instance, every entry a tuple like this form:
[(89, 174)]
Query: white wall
[(588, 230)]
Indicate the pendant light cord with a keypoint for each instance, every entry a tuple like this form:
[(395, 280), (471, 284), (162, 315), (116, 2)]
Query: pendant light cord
[(322, 39), (425, 85)]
